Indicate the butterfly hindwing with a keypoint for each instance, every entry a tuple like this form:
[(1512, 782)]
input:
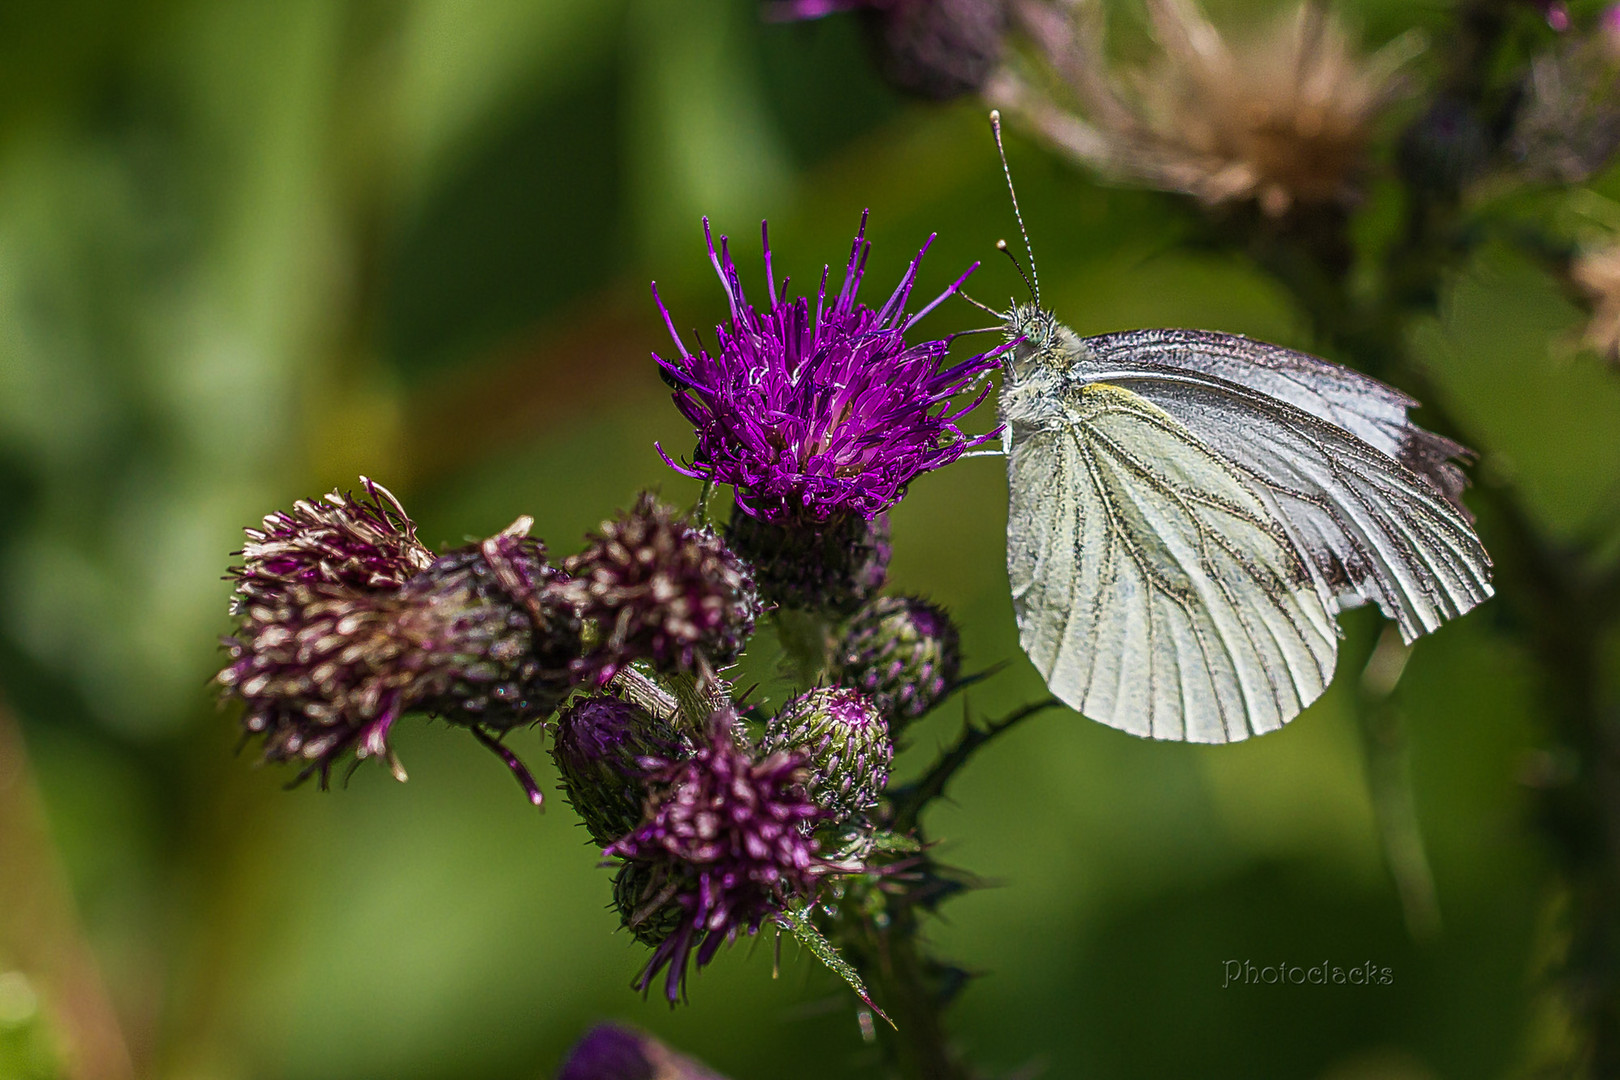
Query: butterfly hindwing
[(1155, 590)]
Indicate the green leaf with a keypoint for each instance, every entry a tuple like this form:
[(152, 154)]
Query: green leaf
[(798, 922)]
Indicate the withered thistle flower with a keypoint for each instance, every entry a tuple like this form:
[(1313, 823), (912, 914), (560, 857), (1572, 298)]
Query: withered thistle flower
[(937, 49), (833, 566), (824, 411), (844, 741), (726, 845), (1596, 272), (603, 747), (1282, 119), (903, 653), (662, 590), (331, 652), (367, 544)]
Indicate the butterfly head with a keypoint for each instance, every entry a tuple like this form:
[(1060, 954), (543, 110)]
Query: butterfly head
[(1037, 340)]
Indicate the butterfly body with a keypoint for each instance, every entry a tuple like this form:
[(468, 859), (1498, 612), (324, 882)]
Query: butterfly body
[(1191, 510)]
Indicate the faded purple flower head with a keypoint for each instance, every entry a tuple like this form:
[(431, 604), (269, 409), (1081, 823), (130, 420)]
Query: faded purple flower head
[(326, 658), (662, 590), (614, 1052), (725, 837), (817, 412), (340, 540)]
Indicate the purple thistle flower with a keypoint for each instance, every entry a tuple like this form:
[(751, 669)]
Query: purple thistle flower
[(817, 413), (727, 843)]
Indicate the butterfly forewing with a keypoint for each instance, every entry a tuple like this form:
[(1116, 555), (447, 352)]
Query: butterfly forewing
[(1368, 409), (1368, 527), (1155, 589)]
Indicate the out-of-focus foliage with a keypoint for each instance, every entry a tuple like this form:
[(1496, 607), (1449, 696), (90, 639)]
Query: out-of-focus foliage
[(248, 251)]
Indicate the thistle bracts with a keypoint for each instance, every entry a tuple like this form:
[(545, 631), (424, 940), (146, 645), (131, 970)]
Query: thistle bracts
[(606, 750), (903, 653), (844, 742), (662, 590), (832, 566)]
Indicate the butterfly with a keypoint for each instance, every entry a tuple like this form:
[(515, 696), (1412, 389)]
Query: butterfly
[(1189, 512)]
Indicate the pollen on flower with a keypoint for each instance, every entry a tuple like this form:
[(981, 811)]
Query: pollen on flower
[(817, 411)]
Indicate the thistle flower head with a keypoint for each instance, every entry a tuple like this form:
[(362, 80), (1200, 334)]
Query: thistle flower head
[(1566, 128), (726, 838), (817, 411), (606, 750), (326, 666), (903, 653), (1282, 120), (662, 590), (367, 544), (834, 566), (937, 49), (845, 743)]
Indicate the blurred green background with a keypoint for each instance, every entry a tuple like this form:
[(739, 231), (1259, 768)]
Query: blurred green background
[(251, 250)]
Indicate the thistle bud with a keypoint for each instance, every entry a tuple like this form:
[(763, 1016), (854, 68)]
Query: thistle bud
[(664, 591), (845, 743), (903, 653), (612, 1052), (647, 897), (832, 566), (602, 748)]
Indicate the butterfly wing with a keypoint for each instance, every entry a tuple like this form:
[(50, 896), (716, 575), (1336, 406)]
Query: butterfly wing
[(1370, 528), (1368, 409), (1155, 590)]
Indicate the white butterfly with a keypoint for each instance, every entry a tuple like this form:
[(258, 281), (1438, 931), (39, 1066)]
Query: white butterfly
[(1191, 510)]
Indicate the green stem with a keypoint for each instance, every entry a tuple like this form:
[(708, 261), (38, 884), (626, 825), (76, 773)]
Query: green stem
[(807, 644)]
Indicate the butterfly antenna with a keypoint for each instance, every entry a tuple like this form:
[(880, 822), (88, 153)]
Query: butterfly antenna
[(977, 304), (1033, 279), (1001, 246)]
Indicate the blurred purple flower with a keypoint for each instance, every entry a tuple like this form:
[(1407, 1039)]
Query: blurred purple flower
[(937, 49), (816, 414), (612, 1052), (726, 840)]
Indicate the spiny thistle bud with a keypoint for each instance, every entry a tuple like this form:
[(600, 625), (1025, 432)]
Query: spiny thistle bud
[(831, 566), (662, 590), (845, 742), (730, 838), (645, 896), (326, 668), (903, 653), (602, 747), (367, 544)]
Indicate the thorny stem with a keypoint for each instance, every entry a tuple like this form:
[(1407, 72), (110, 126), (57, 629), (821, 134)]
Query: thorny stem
[(806, 639), (911, 800)]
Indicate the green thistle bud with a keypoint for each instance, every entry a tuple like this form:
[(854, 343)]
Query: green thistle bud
[(605, 749), (845, 742), (648, 899), (903, 653)]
